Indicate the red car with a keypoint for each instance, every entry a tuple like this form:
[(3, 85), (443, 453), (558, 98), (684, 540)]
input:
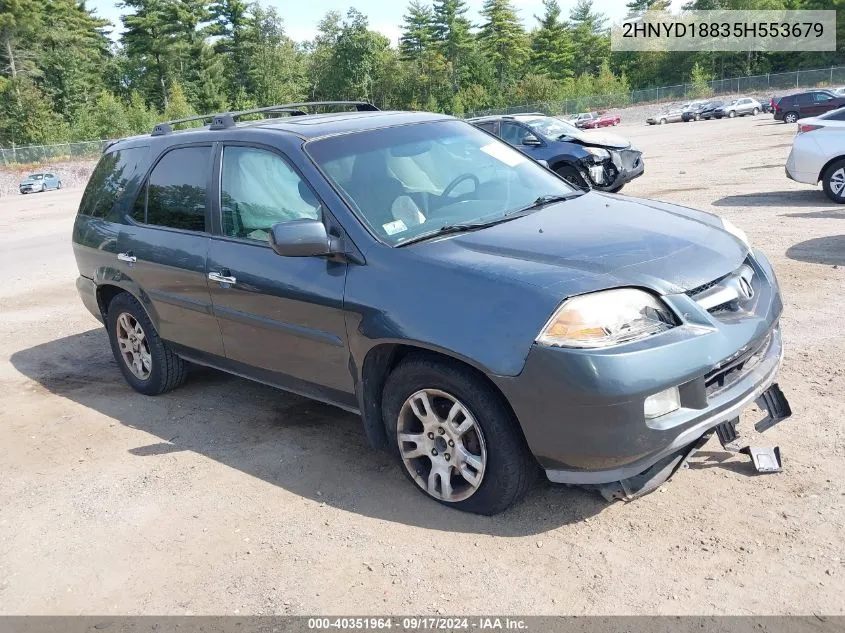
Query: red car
[(591, 120)]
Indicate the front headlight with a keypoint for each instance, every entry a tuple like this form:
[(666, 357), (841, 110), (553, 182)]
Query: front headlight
[(598, 152), (737, 232), (606, 318)]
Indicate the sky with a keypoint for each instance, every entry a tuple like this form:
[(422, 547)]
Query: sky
[(385, 15)]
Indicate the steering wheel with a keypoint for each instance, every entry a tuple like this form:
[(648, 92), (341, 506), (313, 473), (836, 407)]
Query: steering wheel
[(458, 181)]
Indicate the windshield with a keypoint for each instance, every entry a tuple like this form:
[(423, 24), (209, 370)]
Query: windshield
[(551, 127), (36, 177), (408, 180)]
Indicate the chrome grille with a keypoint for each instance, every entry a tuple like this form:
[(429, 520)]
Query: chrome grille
[(727, 293)]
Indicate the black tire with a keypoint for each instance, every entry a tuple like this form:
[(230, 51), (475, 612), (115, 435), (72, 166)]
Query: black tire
[(167, 371), (698, 117), (573, 176), (790, 117), (662, 121), (510, 468), (59, 185), (731, 114), (616, 189), (755, 112), (828, 184)]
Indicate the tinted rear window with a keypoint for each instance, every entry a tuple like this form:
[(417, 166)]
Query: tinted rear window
[(175, 195), (109, 180)]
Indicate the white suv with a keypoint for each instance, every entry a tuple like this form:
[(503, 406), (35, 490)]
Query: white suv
[(818, 153)]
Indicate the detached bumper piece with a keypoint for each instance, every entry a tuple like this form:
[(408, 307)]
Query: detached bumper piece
[(766, 459)]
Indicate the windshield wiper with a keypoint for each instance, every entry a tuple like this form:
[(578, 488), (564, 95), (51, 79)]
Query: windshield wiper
[(507, 217), (547, 199)]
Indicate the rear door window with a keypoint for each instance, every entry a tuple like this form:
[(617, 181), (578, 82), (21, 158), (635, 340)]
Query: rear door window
[(805, 99), (176, 192), (110, 179)]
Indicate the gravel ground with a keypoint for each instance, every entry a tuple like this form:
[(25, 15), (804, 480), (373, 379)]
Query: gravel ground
[(228, 497)]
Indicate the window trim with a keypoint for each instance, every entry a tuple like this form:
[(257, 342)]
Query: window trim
[(144, 190), (325, 215)]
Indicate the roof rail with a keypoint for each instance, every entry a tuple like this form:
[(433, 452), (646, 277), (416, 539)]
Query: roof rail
[(225, 120)]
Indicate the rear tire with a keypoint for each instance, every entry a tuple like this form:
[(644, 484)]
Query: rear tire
[(147, 364), (662, 121), (790, 117), (755, 112), (731, 114), (833, 181), (491, 450)]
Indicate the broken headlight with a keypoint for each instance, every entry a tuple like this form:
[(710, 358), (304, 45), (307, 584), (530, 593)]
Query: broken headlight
[(598, 153), (606, 318)]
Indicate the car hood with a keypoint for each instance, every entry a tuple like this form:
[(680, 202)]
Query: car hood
[(598, 241), (599, 139), (30, 181)]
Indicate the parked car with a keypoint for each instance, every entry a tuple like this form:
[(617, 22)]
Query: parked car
[(769, 105), (818, 153), (481, 315), (591, 120), (587, 160), (709, 111), (669, 115), (738, 107), (790, 108), (39, 182), (693, 113), (839, 91)]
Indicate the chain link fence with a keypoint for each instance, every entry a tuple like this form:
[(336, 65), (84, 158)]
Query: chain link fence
[(737, 85), (36, 154)]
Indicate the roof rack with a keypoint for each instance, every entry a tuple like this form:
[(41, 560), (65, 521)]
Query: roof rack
[(221, 121)]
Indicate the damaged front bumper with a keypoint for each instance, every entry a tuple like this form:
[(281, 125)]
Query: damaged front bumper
[(610, 174)]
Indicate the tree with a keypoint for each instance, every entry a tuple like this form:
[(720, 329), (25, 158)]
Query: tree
[(452, 35), (356, 55), (700, 82), (26, 116), (276, 68), (551, 48), (503, 38), (148, 39), (589, 37), (417, 31), (230, 20), (638, 7), (178, 106)]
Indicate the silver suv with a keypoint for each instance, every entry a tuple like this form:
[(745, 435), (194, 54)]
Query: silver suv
[(739, 107)]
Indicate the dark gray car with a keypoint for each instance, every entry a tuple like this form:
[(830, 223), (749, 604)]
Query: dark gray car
[(481, 315)]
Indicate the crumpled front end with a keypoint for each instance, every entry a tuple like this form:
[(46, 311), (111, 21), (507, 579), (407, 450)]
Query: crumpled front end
[(583, 411)]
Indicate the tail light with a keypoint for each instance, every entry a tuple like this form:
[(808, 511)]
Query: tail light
[(805, 127)]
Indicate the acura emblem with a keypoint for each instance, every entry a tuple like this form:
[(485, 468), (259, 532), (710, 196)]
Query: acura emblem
[(745, 288)]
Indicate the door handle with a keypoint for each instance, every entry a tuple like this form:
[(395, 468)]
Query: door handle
[(127, 257), (222, 278)]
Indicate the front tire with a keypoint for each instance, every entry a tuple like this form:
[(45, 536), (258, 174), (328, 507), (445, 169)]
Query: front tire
[(833, 181), (573, 176), (662, 121), (147, 364), (454, 436)]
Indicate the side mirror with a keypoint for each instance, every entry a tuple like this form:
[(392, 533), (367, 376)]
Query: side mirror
[(530, 139), (301, 238)]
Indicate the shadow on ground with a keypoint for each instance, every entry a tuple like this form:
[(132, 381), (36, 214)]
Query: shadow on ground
[(833, 214), (804, 198), (311, 449), (828, 250)]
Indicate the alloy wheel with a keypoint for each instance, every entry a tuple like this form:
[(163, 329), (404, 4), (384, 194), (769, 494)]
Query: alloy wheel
[(441, 445), (790, 118), (133, 345), (837, 182)]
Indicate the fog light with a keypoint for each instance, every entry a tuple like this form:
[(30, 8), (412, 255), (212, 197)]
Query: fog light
[(662, 403)]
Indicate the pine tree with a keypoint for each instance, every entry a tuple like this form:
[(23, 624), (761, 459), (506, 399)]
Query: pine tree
[(638, 7), (417, 31), (551, 49), (452, 35), (589, 38), (502, 38)]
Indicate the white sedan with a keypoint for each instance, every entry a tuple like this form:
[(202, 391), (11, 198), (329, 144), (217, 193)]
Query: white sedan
[(818, 153)]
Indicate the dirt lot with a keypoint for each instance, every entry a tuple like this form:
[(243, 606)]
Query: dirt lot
[(228, 497)]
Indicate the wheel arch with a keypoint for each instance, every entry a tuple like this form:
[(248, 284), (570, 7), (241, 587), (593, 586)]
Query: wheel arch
[(383, 359), (107, 291), (827, 165)]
